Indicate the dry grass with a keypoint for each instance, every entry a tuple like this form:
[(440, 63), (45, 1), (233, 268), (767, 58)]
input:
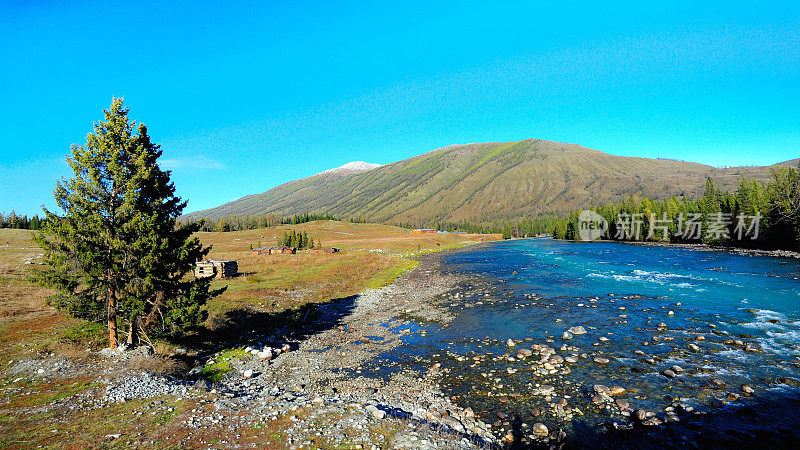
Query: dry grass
[(30, 415), (371, 256)]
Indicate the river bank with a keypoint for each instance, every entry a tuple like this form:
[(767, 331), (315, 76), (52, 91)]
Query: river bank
[(734, 250)]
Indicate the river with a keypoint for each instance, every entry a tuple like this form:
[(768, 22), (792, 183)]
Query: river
[(683, 340)]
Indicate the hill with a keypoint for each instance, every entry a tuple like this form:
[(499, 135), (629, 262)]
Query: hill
[(487, 181)]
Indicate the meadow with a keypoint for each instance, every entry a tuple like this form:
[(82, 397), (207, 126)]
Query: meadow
[(275, 286)]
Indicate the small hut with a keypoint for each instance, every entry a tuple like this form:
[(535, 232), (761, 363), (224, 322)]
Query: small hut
[(282, 250), (216, 269)]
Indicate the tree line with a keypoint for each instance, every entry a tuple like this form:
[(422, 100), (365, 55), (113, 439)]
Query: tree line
[(12, 220), (236, 222), (509, 228), (755, 215)]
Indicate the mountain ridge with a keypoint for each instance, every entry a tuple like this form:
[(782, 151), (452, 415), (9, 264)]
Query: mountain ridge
[(484, 181)]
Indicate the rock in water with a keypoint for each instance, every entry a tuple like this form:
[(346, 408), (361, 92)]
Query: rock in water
[(577, 330), (511, 343), (540, 430), (668, 373), (566, 336)]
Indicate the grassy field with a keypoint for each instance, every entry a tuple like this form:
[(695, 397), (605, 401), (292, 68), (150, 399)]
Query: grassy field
[(371, 256), (271, 289)]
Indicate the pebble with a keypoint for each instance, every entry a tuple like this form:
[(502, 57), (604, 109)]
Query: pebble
[(566, 336), (540, 430), (375, 412), (600, 360)]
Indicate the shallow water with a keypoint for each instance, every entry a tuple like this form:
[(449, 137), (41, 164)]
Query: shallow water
[(742, 312)]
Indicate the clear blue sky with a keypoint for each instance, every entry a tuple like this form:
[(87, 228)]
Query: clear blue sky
[(243, 96)]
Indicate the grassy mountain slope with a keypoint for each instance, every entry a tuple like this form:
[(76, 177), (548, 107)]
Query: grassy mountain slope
[(484, 181)]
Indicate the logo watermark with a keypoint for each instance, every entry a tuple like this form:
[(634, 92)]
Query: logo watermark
[(591, 226), (689, 226)]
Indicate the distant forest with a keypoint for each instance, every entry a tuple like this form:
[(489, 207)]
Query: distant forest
[(12, 220), (238, 223), (760, 216)]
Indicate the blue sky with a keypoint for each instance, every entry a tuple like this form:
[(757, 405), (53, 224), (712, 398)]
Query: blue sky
[(244, 96)]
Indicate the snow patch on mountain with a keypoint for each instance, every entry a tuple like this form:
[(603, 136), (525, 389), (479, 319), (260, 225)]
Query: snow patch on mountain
[(358, 166)]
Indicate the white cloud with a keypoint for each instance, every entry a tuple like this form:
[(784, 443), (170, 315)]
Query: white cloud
[(199, 163)]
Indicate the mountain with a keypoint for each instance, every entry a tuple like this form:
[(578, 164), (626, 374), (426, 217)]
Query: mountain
[(483, 181)]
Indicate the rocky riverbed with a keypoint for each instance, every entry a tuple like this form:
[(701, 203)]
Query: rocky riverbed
[(308, 388)]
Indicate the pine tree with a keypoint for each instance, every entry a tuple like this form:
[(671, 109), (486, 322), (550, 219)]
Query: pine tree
[(118, 250)]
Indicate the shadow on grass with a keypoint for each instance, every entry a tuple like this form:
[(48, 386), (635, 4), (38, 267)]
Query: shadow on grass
[(246, 326), (768, 421)]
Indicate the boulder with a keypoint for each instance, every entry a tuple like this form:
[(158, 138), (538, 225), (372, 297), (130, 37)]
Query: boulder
[(577, 330)]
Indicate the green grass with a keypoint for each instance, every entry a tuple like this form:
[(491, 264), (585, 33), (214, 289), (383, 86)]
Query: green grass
[(222, 364), (83, 333), (389, 275), (33, 392)]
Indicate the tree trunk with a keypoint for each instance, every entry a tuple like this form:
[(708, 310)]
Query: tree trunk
[(112, 318), (133, 331)]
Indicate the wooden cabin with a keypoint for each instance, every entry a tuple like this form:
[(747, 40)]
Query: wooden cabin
[(282, 250), (216, 269)]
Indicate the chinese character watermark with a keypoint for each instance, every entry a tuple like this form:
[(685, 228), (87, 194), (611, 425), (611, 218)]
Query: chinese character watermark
[(688, 227)]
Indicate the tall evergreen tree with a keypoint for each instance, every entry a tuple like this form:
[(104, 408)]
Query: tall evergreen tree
[(117, 250)]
